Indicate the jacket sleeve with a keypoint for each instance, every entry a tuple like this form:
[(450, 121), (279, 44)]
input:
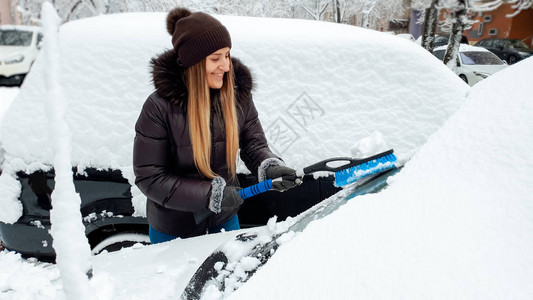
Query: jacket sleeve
[(253, 143), (151, 153)]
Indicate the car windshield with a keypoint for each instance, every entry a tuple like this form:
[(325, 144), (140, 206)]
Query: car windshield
[(15, 38), (479, 58), (517, 44)]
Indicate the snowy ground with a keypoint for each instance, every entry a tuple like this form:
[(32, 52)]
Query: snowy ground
[(457, 222)]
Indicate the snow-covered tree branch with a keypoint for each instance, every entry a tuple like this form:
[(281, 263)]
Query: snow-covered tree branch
[(373, 10), (516, 5)]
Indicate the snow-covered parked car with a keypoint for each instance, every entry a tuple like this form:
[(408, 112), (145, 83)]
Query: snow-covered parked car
[(19, 47), (473, 63), (318, 90)]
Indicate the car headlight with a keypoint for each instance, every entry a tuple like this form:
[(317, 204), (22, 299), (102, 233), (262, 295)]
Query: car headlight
[(482, 75), (14, 59), (525, 54)]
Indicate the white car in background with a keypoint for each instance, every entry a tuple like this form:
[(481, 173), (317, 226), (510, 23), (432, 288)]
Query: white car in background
[(406, 36), (19, 46), (473, 63)]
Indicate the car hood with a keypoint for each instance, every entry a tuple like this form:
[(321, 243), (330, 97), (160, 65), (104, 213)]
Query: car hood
[(6, 51), (489, 69), (181, 258)]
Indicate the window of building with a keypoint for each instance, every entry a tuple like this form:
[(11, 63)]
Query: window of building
[(493, 31), (480, 29), (487, 19), (398, 24)]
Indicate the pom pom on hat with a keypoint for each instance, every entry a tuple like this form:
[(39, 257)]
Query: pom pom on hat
[(195, 35), (173, 17)]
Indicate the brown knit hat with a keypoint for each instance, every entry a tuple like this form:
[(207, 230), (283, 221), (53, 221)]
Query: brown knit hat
[(195, 35)]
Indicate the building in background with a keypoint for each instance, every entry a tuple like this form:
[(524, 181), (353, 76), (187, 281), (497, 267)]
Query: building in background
[(495, 24), (5, 12), (415, 28)]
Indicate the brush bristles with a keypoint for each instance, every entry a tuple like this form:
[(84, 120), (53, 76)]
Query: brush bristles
[(353, 174)]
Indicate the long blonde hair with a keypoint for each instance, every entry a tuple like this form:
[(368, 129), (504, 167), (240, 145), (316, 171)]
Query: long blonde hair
[(199, 116)]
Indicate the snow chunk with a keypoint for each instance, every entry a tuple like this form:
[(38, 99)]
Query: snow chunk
[(371, 145), (37, 224)]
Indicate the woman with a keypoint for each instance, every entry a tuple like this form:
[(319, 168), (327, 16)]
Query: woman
[(190, 130)]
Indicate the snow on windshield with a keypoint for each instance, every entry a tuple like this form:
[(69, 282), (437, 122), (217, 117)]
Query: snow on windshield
[(319, 89), (456, 222)]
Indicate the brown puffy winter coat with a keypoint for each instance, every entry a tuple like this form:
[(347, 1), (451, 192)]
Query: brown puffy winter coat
[(162, 155)]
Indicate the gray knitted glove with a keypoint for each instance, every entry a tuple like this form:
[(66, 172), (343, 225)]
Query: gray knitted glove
[(231, 200), (223, 197), (289, 178)]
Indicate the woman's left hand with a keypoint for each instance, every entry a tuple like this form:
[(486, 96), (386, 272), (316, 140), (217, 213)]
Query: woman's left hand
[(287, 178)]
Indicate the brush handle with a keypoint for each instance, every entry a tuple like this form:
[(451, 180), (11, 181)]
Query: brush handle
[(256, 189), (265, 186)]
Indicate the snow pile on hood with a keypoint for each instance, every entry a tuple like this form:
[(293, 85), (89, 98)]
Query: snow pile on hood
[(457, 222), (320, 87)]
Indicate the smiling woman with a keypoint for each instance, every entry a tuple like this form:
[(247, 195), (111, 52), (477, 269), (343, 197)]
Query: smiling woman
[(189, 131)]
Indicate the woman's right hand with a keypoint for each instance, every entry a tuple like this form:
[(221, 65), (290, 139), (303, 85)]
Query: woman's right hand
[(231, 200)]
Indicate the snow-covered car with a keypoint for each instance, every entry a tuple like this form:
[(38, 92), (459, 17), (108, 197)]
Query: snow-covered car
[(473, 63), (19, 46), (318, 90)]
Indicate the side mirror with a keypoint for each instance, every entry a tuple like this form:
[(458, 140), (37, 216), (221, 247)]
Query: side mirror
[(40, 45)]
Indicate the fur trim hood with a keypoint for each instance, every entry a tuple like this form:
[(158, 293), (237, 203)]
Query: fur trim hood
[(168, 78)]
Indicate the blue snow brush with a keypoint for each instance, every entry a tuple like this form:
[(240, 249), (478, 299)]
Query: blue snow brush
[(357, 169), (347, 170)]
